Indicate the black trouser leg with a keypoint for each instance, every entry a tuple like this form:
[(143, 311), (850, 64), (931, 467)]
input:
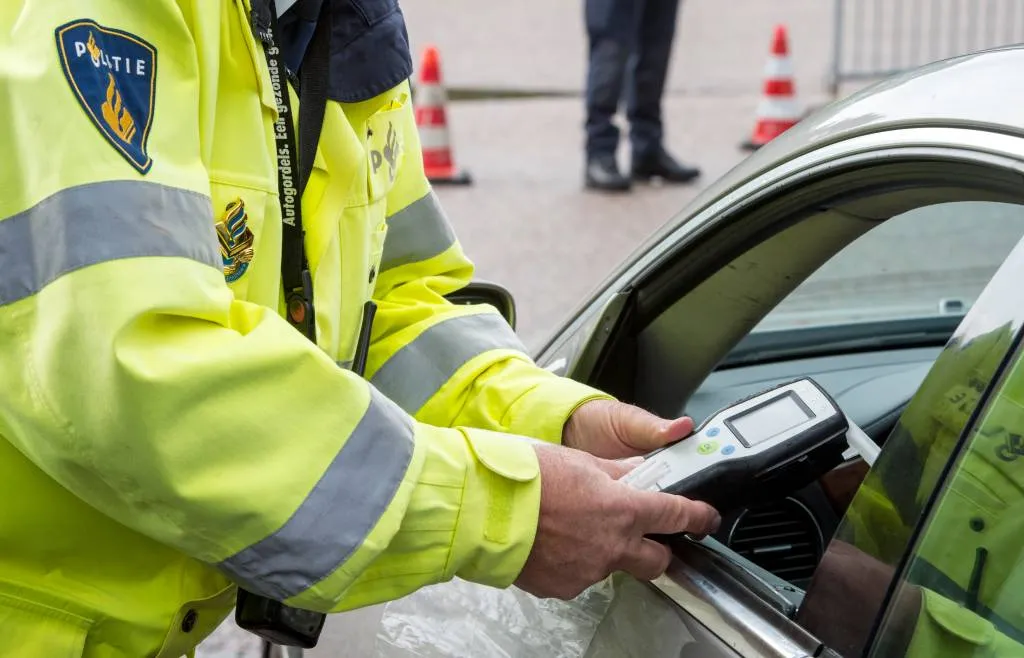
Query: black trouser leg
[(655, 29), (610, 31)]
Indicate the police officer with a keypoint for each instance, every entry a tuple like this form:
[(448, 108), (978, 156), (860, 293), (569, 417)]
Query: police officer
[(633, 36), (166, 435)]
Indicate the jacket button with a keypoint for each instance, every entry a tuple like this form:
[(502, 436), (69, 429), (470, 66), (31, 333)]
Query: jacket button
[(977, 524), (189, 621)]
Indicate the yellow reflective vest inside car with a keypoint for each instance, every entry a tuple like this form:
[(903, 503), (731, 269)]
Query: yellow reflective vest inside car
[(164, 433), (979, 508)]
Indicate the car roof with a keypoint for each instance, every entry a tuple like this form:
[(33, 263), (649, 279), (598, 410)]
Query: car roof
[(982, 90)]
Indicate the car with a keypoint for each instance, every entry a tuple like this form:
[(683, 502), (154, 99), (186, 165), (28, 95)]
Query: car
[(876, 248)]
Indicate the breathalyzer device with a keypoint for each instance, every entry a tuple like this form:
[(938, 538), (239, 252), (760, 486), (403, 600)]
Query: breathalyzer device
[(761, 447)]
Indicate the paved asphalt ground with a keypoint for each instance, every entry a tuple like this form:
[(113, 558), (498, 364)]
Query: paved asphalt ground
[(526, 221)]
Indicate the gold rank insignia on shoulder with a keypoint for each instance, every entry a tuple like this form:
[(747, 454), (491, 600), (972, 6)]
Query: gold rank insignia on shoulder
[(235, 241)]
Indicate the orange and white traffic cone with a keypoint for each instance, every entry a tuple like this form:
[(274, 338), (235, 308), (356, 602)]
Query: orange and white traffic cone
[(432, 122), (778, 110)]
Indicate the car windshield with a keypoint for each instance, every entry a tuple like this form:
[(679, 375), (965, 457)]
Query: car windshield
[(930, 261)]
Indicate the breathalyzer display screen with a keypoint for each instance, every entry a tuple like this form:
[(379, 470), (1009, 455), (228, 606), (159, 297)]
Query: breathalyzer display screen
[(769, 419)]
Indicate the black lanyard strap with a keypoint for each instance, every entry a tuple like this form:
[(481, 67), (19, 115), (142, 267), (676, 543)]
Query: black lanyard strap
[(272, 620), (295, 165)]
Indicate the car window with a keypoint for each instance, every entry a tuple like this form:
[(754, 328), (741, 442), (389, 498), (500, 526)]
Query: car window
[(907, 267), (851, 583), (961, 593)]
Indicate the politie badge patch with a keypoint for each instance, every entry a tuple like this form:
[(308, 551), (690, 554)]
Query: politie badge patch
[(113, 74), (236, 240)]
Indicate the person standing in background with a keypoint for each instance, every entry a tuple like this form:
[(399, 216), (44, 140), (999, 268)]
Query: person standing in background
[(633, 34)]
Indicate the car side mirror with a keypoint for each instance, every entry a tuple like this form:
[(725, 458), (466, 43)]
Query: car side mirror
[(486, 292)]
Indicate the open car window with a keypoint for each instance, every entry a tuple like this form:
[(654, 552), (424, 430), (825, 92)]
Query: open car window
[(886, 275), (854, 579)]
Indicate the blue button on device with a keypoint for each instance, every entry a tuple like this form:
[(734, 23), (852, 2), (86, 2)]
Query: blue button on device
[(713, 431), (728, 450)]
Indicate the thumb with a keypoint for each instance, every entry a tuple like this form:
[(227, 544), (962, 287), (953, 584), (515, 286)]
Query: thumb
[(644, 431)]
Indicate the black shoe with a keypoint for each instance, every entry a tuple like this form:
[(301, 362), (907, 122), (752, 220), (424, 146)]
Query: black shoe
[(603, 174), (664, 166)]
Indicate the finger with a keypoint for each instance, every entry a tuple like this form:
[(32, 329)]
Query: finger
[(644, 431), (647, 561), (630, 463), (659, 513), (617, 468)]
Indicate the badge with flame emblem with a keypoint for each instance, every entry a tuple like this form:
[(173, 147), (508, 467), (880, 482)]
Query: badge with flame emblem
[(113, 75), (236, 241)]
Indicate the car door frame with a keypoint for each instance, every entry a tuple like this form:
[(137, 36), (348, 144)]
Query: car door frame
[(662, 270), (741, 620), (724, 600)]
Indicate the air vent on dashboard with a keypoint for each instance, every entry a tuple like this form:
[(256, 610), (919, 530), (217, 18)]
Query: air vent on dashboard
[(782, 537)]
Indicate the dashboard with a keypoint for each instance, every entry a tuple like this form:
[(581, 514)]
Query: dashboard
[(870, 387), (788, 537)]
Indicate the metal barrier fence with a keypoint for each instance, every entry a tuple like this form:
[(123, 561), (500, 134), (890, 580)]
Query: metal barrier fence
[(877, 38)]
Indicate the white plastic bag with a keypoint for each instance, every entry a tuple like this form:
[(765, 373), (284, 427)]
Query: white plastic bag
[(230, 641), (459, 618), (618, 618)]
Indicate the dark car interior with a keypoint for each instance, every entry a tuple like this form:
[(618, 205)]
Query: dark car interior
[(788, 536)]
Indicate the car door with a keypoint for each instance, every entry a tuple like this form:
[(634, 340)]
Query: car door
[(927, 559), (677, 331), (959, 591)]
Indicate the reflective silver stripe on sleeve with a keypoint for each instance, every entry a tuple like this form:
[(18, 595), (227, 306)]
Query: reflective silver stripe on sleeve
[(99, 222), (338, 514), (417, 371), (417, 232)]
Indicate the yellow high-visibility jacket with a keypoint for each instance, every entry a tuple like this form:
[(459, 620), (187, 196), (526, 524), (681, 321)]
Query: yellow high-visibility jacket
[(164, 433)]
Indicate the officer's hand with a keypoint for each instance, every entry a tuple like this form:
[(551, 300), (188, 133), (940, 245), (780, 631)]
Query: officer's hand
[(611, 429), (591, 525)]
